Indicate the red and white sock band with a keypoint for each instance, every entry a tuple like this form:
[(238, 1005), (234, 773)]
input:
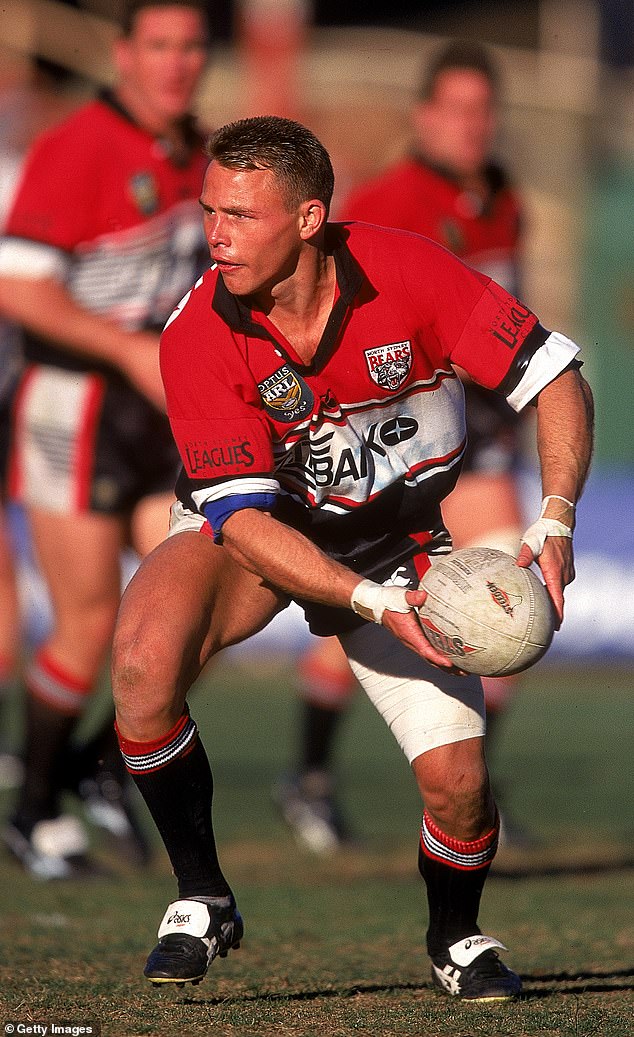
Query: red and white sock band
[(52, 684), (143, 757), (458, 853), (323, 684)]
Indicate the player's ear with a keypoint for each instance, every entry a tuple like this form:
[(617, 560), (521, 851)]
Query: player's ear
[(313, 216)]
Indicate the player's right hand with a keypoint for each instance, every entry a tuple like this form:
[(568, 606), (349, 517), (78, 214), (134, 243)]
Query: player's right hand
[(397, 609), (407, 628)]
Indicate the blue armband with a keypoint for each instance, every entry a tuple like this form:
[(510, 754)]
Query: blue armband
[(217, 512)]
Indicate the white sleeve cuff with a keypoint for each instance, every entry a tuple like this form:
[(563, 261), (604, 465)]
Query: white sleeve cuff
[(20, 258), (546, 363)]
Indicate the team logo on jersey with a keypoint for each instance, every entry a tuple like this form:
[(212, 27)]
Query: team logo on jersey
[(144, 191), (286, 396), (389, 365)]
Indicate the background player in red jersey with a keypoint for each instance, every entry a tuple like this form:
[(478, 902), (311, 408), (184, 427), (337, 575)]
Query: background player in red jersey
[(310, 387), (450, 189), (102, 240)]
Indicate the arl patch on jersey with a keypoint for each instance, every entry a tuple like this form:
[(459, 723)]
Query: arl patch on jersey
[(389, 365), (286, 396)]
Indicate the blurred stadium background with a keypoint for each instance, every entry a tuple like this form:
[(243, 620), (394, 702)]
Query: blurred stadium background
[(348, 70)]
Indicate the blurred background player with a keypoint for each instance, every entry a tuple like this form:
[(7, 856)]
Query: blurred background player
[(449, 188), (103, 239), (33, 95)]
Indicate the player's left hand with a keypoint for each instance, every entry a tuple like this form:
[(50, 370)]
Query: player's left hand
[(556, 562)]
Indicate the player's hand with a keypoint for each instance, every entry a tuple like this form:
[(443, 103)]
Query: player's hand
[(140, 364), (407, 628), (556, 562)]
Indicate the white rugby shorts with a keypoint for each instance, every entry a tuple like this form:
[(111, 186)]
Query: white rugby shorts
[(424, 707)]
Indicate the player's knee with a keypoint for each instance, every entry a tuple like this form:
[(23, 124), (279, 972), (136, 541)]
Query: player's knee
[(456, 792), (140, 671), (464, 811)]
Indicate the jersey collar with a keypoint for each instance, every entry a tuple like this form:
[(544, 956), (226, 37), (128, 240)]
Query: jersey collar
[(350, 279), (191, 139)]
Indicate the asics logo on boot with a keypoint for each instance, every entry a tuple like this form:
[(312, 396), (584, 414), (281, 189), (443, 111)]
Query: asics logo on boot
[(177, 919)]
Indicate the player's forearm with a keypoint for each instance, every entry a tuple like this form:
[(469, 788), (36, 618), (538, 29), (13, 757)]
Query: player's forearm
[(565, 416), (45, 308), (285, 558)]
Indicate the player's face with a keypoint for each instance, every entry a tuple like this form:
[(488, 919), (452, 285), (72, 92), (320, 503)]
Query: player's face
[(253, 235), (161, 62), (457, 125)]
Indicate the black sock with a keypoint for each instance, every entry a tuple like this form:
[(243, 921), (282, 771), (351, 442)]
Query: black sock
[(319, 727), (55, 701), (174, 777), (454, 872), (47, 734), (100, 755)]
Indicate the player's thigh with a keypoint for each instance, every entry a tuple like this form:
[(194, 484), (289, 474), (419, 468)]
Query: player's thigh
[(78, 556), (187, 600), (9, 600), (481, 505)]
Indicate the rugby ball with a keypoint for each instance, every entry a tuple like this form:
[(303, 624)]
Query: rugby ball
[(485, 613)]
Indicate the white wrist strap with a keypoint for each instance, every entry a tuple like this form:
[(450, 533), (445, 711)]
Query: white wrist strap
[(370, 600), (555, 496), (536, 535)]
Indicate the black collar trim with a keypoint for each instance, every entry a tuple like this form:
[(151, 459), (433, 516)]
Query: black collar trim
[(192, 141), (494, 175), (237, 313)]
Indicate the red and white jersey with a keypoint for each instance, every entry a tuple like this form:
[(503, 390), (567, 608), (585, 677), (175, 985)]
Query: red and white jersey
[(104, 208), (358, 449), (413, 195)]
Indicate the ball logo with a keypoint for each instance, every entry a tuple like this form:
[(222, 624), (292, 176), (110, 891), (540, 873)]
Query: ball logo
[(448, 644), (503, 599), (389, 365)]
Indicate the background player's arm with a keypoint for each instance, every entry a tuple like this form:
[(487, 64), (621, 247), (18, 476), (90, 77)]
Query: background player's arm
[(286, 559), (564, 442), (44, 307)]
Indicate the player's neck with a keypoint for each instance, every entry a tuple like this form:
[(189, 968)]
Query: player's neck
[(146, 116), (301, 305)]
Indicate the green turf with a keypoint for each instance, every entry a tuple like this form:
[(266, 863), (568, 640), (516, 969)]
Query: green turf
[(336, 947)]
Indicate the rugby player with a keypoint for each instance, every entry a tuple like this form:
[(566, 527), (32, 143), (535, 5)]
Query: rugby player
[(310, 386)]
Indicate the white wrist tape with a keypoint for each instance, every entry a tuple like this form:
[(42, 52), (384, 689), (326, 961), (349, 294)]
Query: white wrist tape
[(555, 496), (370, 600), (536, 535)]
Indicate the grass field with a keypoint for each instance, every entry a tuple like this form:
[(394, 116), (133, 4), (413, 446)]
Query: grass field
[(336, 947)]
